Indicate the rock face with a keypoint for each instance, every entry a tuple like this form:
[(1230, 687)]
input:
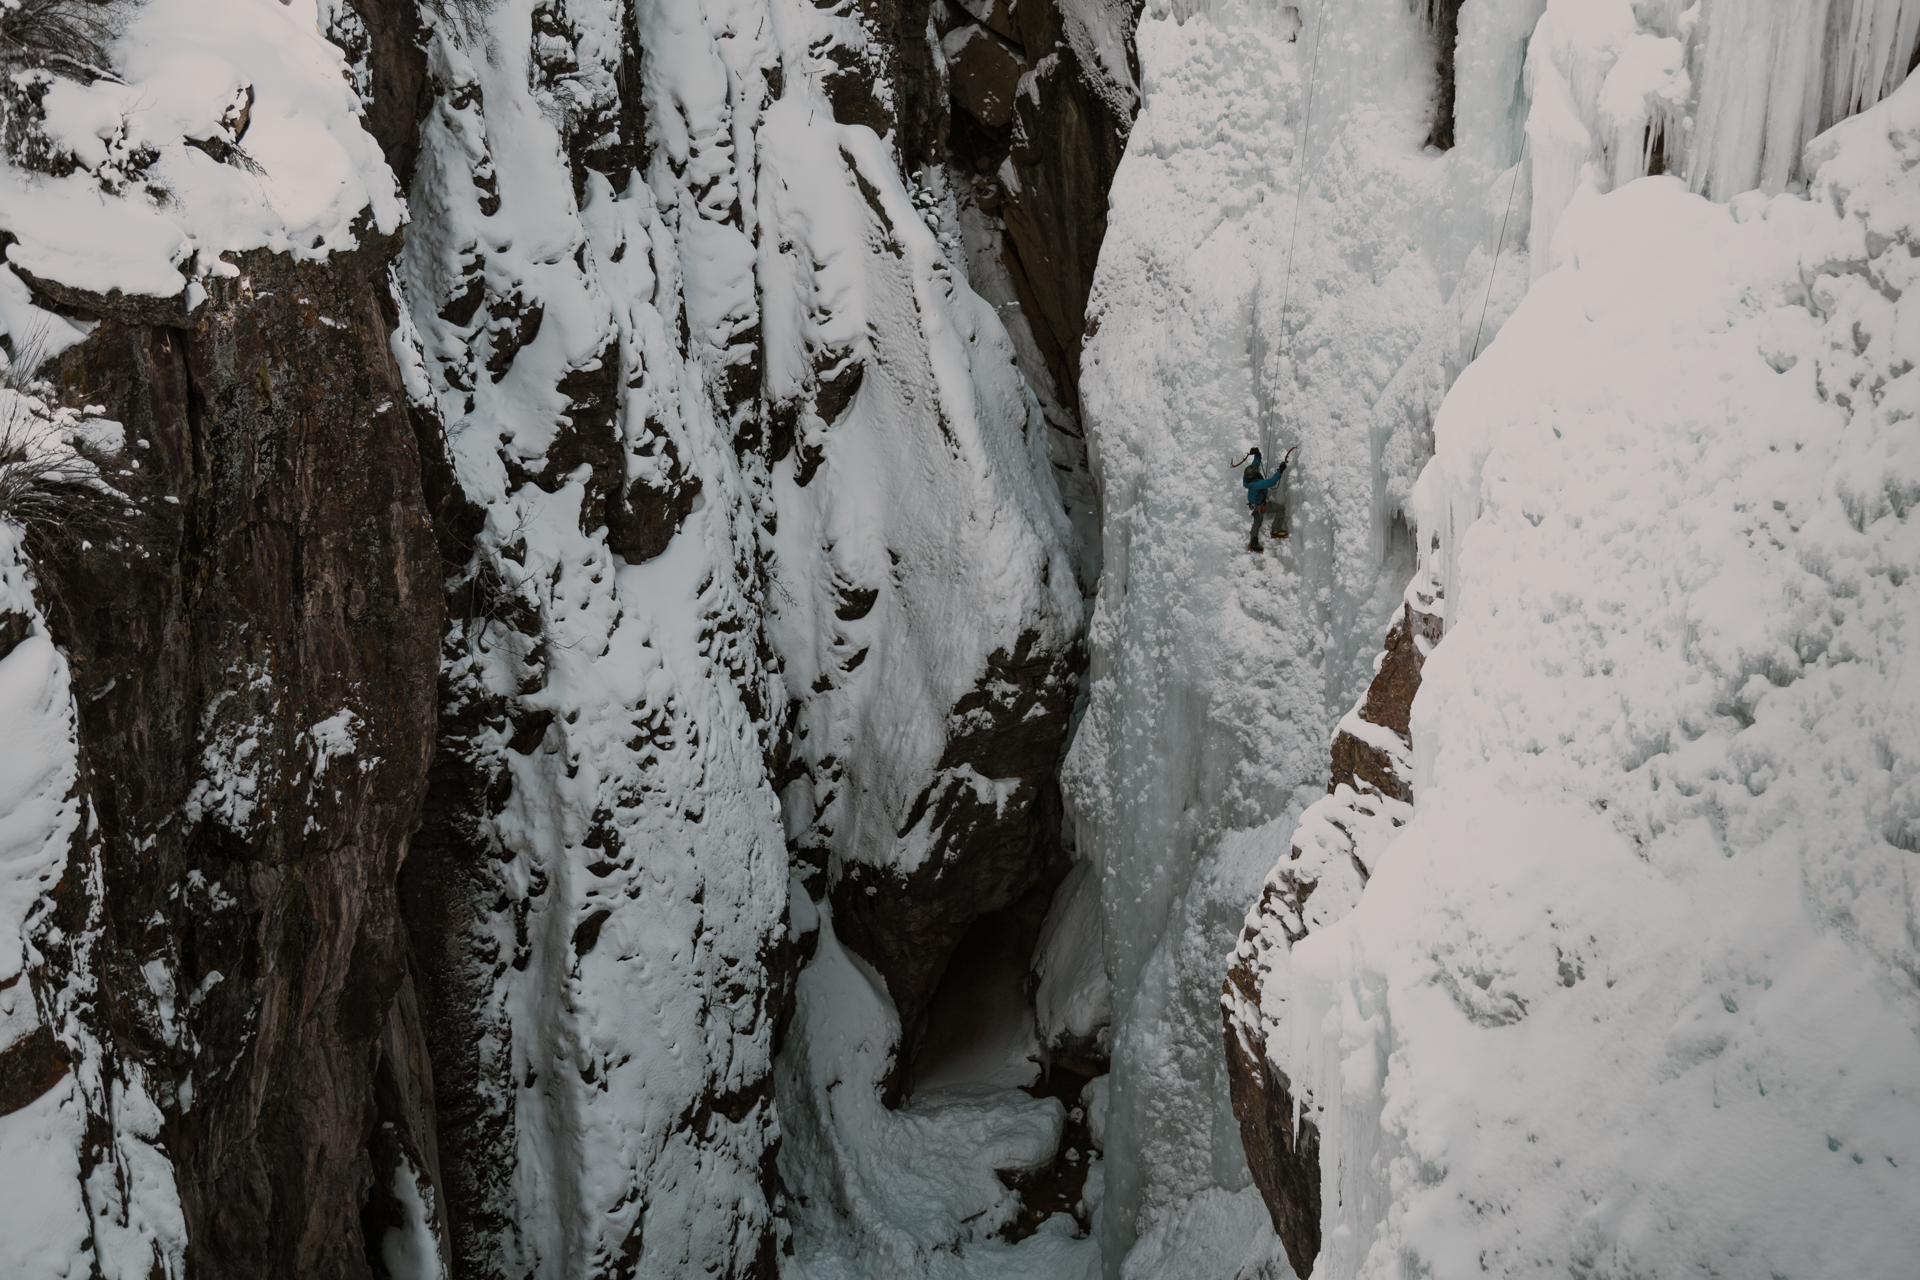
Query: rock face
[(253, 666), (985, 74), (525, 625), (1042, 159), (1369, 794), (986, 852), (910, 847), (1443, 22)]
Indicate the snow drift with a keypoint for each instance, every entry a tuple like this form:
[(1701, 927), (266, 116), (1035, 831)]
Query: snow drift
[(1635, 989)]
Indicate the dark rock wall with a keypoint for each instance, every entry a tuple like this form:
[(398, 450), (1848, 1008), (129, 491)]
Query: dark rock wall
[(1443, 22), (987, 857), (1045, 167), (254, 664), (1030, 135)]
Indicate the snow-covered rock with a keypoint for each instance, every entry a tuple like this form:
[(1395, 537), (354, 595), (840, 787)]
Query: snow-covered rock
[(676, 443), (1632, 610), (1657, 891)]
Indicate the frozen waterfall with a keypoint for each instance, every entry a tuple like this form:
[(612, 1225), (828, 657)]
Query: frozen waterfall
[(1273, 279)]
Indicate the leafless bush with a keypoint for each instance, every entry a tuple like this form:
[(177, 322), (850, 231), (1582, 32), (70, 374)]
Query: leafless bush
[(41, 41), (63, 492), (70, 36)]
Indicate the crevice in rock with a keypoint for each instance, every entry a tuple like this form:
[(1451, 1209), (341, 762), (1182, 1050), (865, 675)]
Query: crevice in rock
[(1030, 139), (988, 857), (978, 1032), (978, 1025), (1038, 134), (1443, 23)]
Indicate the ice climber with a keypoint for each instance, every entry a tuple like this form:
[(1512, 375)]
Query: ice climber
[(1257, 495)]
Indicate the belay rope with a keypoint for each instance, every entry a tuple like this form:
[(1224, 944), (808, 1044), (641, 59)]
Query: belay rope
[(1493, 272), (1300, 187), (1300, 200)]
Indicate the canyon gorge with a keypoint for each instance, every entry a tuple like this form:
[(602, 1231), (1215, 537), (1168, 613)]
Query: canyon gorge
[(627, 648)]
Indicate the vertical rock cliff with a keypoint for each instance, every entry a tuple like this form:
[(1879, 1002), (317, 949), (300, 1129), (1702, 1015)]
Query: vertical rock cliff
[(481, 648), (1338, 842)]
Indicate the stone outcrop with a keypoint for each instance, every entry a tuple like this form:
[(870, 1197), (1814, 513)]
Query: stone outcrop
[(254, 663), (985, 856), (1443, 22), (1369, 795), (1043, 163), (1029, 129), (984, 72), (361, 636)]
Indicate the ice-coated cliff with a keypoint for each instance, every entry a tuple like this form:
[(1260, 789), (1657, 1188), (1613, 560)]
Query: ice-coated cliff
[(1510, 1050), (1288, 263), (1663, 858)]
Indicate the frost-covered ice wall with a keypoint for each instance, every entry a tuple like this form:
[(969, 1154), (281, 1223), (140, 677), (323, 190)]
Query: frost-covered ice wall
[(1635, 989), (1289, 263), (1276, 281), (1637, 445)]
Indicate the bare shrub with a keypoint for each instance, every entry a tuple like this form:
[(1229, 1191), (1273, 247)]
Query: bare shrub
[(41, 41), (70, 36), (58, 485)]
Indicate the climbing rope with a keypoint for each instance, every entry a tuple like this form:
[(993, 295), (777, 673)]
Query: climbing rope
[(1500, 244), (1300, 187)]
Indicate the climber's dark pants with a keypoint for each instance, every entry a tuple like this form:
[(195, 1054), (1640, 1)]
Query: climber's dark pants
[(1253, 538)]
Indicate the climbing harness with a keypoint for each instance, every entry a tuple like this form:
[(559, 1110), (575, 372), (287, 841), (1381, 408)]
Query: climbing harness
[(1494, 272)]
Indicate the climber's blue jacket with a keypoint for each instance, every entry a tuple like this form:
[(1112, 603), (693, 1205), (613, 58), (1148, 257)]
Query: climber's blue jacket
[(1257, 489)]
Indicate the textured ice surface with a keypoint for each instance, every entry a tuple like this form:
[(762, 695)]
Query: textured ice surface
[(1218, 677), (1634, 993)]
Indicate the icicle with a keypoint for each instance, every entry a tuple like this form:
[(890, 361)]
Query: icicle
[(1777, 72), (1877, 40)]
